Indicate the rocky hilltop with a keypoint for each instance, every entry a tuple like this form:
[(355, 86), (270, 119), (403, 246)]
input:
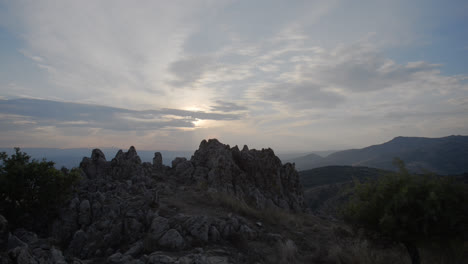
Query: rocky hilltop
[(224, 205)]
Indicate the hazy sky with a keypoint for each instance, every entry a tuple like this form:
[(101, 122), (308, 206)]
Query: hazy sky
[(291, 75)]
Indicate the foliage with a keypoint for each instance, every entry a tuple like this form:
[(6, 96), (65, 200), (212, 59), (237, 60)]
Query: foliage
[(32, 190), (416, 210), (337, 174)]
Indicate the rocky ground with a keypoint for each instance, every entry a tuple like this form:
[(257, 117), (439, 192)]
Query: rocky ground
[(224, 205)]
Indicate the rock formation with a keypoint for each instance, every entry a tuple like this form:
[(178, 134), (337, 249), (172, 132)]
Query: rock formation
[(258, 177), (126, 211)]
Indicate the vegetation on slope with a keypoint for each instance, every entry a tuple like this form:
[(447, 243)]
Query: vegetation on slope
[(337, 174), (420, 211), (32, 191)]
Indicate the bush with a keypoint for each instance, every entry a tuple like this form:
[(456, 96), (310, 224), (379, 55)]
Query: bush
[(32, 191), (416, 210)]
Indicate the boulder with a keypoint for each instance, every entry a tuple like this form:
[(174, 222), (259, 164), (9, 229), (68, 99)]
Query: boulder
[(22, 255), (57, 256), (198, 227), (178, 160), (77, 243), (85, 213), (159, 258), (172, 240), (157, 161)]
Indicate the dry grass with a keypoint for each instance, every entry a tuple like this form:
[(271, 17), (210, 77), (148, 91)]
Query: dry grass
[(452, 254), (274, 216), (287, 251), (361, 252)]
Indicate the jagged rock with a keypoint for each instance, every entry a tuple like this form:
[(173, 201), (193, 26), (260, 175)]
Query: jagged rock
[(126, 165), (130, 156), (199, 227), (85, 213), (172, 240), (97, 209), (202, 259), (157, 161), (56, 256), (132, 229), (96, 166), (25, 236), (14, 242), (213, 234), (159, 226), (247, 232), (184, 170), (77, 243), (118, 258), (3, 233), (136, 249), (178, 160), (22, 255), (159, 258), (253, 176), (115, 258), (122, 210)]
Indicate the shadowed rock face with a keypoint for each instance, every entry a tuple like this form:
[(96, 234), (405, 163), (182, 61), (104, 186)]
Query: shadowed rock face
[(96, 166), (256, 176)]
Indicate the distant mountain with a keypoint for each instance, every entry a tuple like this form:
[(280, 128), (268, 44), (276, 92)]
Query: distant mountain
[(446, 155), (72, 157), (305, 161)]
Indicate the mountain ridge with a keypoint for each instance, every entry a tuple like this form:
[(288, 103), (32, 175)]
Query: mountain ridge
[(445, 155)]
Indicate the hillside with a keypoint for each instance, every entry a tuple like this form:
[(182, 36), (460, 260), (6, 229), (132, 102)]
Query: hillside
[(325, 188), (446, 155), (336, 174)]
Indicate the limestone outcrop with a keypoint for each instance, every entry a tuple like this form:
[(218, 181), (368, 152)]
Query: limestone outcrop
[(255, 176), (128, 211)]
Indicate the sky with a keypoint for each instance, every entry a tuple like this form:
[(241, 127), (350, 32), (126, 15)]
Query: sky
[(295, 76)]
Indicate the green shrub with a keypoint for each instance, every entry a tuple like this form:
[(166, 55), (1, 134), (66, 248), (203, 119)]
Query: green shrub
[(32, 191), (420, 211)]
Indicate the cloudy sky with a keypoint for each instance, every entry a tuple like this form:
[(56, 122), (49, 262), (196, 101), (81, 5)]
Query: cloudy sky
[(291, 75)]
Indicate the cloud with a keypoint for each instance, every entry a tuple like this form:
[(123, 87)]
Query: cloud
[(87, 50), (358, 67), (362, 71), (304, 95), (189, 70), (223, 106), (44, 113)]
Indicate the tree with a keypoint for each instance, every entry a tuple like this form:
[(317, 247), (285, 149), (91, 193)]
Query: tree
[(31, 191), (416, 210)]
